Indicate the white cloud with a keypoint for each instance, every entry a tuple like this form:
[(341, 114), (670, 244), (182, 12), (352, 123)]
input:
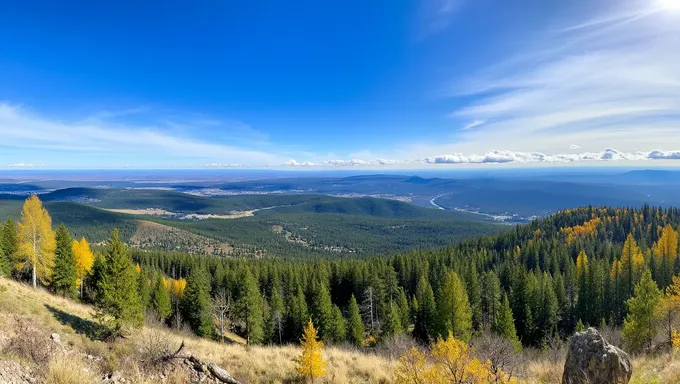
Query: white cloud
[(611, 80), (23, 130), (506, 156), (219, 165), (574, 146), (22, 165), (473, 124)]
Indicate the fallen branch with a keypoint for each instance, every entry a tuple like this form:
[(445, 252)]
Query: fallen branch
[(201, 366)]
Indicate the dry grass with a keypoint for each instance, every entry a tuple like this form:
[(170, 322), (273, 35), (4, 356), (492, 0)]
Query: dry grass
[(249, 364), (68, 370)]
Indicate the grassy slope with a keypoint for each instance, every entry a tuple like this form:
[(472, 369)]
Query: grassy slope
[(249, 364), (73, 322)]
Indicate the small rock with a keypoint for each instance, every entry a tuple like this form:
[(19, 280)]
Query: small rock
[(56, 338), (90, 357)]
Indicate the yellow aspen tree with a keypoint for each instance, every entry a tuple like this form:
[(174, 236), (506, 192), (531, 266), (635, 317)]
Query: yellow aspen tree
[(413, 368), (84, 261), (581, 263), (36, 241), (178, 287), (311, 364)]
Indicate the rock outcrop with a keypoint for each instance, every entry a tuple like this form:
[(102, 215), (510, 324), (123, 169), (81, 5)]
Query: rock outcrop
[(591, 360)]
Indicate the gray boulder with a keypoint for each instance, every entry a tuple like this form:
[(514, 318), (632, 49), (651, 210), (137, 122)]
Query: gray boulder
[(591, 360)]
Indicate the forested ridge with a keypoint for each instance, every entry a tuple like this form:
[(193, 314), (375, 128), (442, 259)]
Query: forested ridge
[(529, 284)]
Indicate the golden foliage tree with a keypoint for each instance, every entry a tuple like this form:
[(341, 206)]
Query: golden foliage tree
[(632, 263), (36, 241), (450, 361), (84, 261), (669, 308), (311, 364), (665, 252)]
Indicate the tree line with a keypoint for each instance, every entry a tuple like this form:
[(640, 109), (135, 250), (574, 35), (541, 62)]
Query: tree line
[(529, 284)]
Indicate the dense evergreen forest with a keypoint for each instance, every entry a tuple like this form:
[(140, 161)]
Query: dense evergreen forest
[(531, 283)]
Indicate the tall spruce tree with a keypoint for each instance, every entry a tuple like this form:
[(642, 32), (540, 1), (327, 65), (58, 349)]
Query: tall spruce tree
[(249, 308), (355, 325), (63, 281), (321, 310), (116, 298), (338, 326), (195, 303), (426, 324), (144, 282), (392, 324), (491, 298), (640, 325), (9, 244), (277, 317), (505, 323), (454, 311), (298, 314), (160, 300)]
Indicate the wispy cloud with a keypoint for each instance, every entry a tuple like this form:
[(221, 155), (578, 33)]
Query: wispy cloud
[(23, 165), (609, 80), (472, 124), (21, 129), (437, 15)]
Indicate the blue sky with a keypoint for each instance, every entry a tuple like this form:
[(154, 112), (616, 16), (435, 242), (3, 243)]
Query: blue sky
[(338, 83)]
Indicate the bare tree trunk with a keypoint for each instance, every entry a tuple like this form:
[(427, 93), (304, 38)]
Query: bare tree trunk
[(35, 258)]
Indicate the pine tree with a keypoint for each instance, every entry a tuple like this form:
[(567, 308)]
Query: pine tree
[(196, 305), (297, 314), (454, 312), (404, 309), (4, 262), (36, 241), (9, 243), (277, 318), (311, 363), (117, 301), (392, 325), (63, 280), (249, 308), (426, 324), (84, 261), (491, 298), (505, 323), (639, 327), (474, 297), (160, 300), (321, 310), (144, 282), (355, 325), (339, 326)]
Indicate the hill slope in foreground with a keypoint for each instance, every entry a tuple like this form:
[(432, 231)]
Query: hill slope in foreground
[(75, 357)]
